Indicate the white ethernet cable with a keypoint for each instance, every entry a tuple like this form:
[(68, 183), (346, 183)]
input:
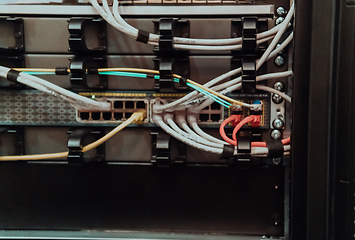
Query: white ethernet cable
[(235, 84), (255, 151), (220, 78), (197, 139), (77, 101), (157, 118), (182, 43), (180, 118), (177, 40)]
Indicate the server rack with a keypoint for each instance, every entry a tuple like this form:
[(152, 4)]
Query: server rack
[(321, 189)]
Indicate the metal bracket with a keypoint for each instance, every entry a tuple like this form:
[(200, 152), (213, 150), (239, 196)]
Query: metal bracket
[(18, 30), (167, 66), (162, 155), (77, 40), (244, 149), (248, 75), (168, 57), (168, 28), (19, 142), (75, 147), (79, 70), (250, 28), (161, 149)]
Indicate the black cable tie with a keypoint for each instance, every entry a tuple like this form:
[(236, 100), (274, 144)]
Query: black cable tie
[(228, 152), (93, 71), (183, 81), (61, 71), (150, 75), (143, 36), (275, 148), (12, 75)]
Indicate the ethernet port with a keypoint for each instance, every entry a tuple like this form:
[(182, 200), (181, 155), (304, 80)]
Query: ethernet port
[(84, 115), (140, 105), (129, 104), (95, 115), (118, 116), (118, 104), (106, 115), (128, 115), (215, 117), (204, 117), (215, 106)]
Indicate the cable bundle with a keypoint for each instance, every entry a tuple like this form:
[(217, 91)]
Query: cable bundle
[(202, 96)]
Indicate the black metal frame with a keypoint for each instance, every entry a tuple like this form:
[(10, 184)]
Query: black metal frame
[(322, 186)]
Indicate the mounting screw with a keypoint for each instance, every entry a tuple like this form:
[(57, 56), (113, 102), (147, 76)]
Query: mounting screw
[(275, 219), (281, 11), (278, 123), (279, 86), (276, 161), (279, 20), (101, 35), (279, 61), (275, 134), (277, 99), (18, 34)]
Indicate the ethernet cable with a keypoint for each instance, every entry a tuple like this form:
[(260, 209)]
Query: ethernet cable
[(127, 72), (189, 82), (221, 78), (235, 84), (140, 75), (246, 120), (180, 117), (77, 101), (154, 38), (255, 150), (137, 116)]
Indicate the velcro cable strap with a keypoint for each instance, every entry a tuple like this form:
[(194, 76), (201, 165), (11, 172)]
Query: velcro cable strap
[(183, 81), (275, 149), (150, 75), (12, 75), (143, 36), (228, 152), (93, 71), (61, 71)]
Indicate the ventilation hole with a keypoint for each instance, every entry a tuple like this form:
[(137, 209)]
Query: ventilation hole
[(84, 115), (118, 104), (129, 104), (278, 110), (215, 117), (140, 105), (128, 115), (95, 116), (106, 115), (215, 106), (204, 117), (118, 116)]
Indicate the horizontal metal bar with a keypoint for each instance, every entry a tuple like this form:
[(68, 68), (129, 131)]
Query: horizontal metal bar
[(140, 10), (113, 235)]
